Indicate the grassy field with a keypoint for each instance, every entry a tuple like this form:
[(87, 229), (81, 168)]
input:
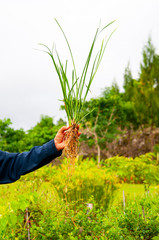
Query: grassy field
[(133, 192)]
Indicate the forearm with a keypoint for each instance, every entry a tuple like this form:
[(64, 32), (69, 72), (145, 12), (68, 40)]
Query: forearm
[(13, 165)]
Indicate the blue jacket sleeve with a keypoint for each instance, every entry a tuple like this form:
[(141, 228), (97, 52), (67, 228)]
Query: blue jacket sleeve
[(13, 165)]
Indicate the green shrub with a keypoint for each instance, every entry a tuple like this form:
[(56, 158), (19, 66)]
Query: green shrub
[(57, 204), (138, 170), (139, 220)]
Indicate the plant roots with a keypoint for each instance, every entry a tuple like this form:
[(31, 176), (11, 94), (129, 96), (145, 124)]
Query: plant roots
[(71, 147)]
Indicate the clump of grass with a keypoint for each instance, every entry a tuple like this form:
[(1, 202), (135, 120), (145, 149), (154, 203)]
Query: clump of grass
[(75, 91)]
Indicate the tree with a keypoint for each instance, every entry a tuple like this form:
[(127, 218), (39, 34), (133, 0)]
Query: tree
[(144, 92), (149, 87), (129, 84), (11, 140), (102, 124), (42, 132)]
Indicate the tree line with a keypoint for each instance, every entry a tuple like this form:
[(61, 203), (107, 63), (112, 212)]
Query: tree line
[(19, 140), (114, 111), (136, 107)]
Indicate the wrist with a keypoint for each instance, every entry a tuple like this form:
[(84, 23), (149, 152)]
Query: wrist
[(57, 145)]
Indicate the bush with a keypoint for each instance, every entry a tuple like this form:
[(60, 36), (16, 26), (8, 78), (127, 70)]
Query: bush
[(138, 170), (139, 220), (57, 204)]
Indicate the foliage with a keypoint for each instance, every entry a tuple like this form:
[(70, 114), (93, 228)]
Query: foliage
[(144, 91), (41, 133), (114, 224), (142, 169), (87, 179), (103, 119), (52, 198), (111, 115), (139, 219), (12, 140), (137, 107), (52, 217)]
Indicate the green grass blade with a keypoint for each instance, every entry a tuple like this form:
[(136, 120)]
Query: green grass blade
[(45, 47), (66, 67), (84, 72), (60, 76), (65, 80), (101, 53), (107, 25), (83, 76), (68, 47), (70, 92), (79, 120)]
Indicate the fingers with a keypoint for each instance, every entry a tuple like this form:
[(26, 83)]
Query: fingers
[(59, 138), (63, 129)]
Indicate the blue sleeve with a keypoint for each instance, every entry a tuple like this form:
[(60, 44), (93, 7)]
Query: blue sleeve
[(13, 165)]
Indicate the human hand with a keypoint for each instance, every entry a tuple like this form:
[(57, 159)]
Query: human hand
[(59, 139)]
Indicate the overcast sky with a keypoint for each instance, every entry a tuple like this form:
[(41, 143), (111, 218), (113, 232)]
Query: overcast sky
[(29, 85)]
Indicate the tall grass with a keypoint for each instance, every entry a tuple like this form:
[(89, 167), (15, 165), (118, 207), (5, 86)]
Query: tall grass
[(75, 91)]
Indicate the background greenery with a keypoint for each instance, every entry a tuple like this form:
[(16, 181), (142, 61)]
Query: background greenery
[(52, 202), (57, 202), (135, 107)]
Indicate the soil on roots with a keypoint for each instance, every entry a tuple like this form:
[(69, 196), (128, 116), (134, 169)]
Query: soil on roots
[(71, 147)]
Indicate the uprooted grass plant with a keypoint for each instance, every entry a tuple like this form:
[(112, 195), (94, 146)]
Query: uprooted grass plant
[(75, 91)]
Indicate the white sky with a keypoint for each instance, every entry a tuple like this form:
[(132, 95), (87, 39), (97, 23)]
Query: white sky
[(29, 85)]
